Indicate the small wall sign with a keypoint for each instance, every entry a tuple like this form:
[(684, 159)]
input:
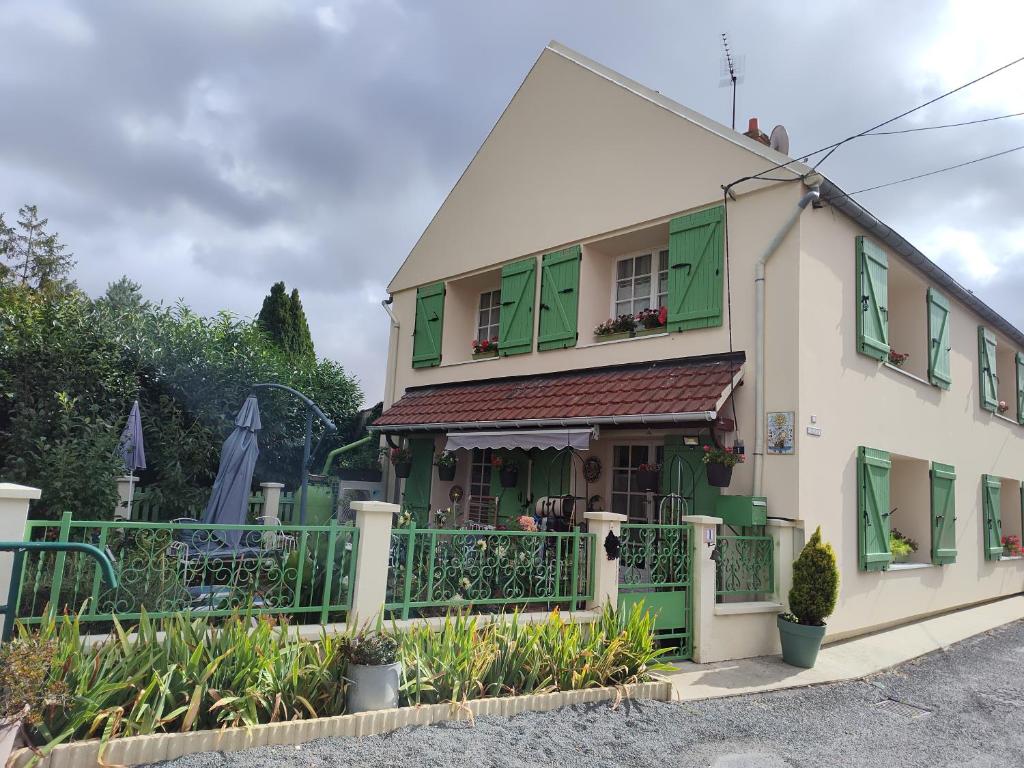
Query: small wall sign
[(780, 432)]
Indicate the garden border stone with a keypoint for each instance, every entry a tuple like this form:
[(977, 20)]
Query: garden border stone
[(135, 750)]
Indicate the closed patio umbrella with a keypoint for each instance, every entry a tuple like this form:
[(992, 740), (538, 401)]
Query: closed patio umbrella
[(229, 501), (131, 450)]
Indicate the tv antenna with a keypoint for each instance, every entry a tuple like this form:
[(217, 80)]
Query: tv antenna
[(733, 67)]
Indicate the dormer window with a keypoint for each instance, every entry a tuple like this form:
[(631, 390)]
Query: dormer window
[(487, 317)]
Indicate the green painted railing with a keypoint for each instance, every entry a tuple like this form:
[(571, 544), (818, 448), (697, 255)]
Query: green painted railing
[(146, 507), (285, 570), (655, 556), (432, 568), (746, 566)]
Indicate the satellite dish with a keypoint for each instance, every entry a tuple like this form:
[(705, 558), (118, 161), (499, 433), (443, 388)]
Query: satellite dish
[(780, 139)]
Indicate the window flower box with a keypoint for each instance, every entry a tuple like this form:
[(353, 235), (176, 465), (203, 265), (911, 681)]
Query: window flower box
[(621, 327), (483, 355), (485, 348), (613, 336), (652, 331)]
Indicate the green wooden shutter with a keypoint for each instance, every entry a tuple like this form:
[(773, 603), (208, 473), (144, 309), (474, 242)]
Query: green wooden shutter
[(873, 469), (943, 514), (416, 494), (695, 269), (988, 381), (992, 536), (549, 472), (559, 299), (872, 300), (938, 335), (682, 472), (1020, 388), (426, 341), (511, 501), (515, 325)]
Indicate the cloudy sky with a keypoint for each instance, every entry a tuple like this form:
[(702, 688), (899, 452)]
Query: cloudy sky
[(210, 148)]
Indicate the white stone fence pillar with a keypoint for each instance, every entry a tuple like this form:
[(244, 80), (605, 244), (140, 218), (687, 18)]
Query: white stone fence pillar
[(702, 580), (373, 519), (606, 572), (272, 499), (126, 486), (788, 540), (14, 500)]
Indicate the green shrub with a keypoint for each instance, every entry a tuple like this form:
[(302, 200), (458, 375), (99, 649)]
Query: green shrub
[(815, 582)]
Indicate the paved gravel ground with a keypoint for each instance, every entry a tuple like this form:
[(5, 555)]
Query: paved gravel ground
[(971, 701)]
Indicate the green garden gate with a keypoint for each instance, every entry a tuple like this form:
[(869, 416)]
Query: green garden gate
[(655, 568)]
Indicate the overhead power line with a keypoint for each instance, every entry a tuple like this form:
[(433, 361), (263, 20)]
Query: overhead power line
[(930, 173), (829, 149), (947, 125)]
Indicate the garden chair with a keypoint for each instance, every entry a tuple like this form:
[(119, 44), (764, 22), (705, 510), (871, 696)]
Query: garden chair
[(275, 540)]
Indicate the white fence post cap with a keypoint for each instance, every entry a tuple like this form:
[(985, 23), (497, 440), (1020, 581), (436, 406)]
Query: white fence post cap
[(15, 491)]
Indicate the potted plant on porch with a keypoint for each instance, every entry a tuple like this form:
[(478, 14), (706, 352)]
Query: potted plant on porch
[(718, 464), (811, 600), (401, 460), (647, 476), (508, 470), (374, 672), (446, 465)]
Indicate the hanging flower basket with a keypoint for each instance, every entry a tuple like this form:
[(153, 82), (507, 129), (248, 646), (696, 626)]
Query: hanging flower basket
[(719, 475), (401, 460), (718, 464), (508, 471), (402, 469), (647, 477), (446, 466)]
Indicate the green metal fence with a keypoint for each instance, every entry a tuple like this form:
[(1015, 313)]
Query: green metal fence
[(439, 569), (746, 566), (287, 570), (147, 507), (655, 569)]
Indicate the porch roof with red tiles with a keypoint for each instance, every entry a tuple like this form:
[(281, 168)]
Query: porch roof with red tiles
[(687, 388)]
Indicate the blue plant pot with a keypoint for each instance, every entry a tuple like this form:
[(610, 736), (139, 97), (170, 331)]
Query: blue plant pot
[(800, 643)]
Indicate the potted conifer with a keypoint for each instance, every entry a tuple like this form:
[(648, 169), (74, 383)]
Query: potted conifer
[(374, 672), (811, 600)]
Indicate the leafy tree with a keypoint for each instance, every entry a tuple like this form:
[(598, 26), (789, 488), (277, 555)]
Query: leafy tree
[(32, 256)]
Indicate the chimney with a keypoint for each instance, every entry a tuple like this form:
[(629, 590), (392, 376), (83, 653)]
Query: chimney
[(756, 133)]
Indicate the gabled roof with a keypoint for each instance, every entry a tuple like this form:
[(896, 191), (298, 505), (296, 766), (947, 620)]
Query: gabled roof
[(664, 391)]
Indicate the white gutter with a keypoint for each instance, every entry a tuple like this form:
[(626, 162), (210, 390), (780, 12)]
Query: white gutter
[(813, 193), (579, 421)]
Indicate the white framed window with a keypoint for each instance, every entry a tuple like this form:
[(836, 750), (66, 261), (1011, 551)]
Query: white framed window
[(481, 503), (627, 498), (487, 318), (641, 282)]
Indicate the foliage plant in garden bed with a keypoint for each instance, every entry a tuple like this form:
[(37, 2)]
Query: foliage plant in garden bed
[(186, 674)]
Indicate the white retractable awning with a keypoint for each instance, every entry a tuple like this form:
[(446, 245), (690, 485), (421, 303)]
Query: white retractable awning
[(579, 439)]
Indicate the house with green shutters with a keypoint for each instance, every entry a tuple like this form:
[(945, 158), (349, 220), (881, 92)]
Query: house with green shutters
[(588, 313)]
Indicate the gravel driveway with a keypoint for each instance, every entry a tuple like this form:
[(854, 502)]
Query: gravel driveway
[(966, 709)]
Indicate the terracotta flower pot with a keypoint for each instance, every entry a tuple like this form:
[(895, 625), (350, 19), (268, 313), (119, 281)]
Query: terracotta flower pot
[(647, 479), (402, 469), (719, 475)]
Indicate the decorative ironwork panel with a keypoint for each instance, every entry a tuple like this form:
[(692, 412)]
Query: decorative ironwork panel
[(655, 556), (746, 565), (436, 568), (185, 565)]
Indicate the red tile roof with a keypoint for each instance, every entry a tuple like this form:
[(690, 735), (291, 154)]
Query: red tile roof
[(687, 385)]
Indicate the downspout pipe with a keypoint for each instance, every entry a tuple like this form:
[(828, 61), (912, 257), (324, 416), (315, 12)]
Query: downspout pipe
[(812, 194), (343, 449)]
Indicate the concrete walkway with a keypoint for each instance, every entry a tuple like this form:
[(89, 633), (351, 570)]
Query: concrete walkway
[(844, 660)]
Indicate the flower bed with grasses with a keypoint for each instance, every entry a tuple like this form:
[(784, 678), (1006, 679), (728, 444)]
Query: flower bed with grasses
[(184, 674)]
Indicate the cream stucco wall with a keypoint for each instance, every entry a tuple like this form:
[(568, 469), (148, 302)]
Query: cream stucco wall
[(856, 401)]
